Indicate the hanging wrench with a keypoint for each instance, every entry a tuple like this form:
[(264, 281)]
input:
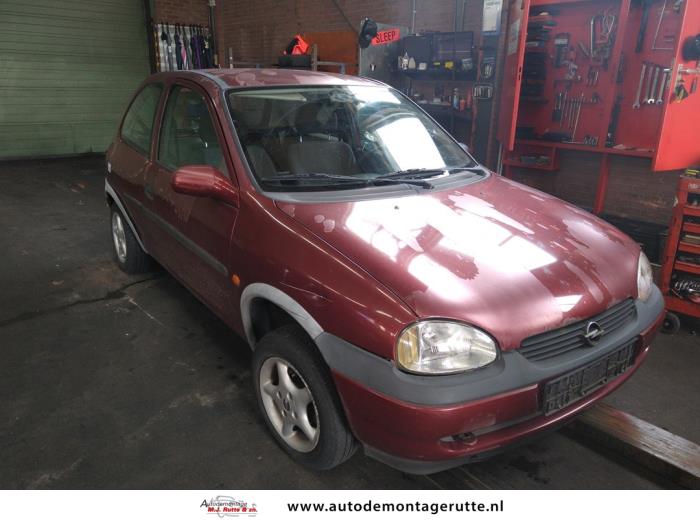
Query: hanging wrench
[(563, 110), (651, 99), (578, 114), (639, 87), (662, 87), (650, 74)]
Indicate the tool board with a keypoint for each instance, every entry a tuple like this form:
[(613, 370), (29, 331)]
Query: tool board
[(605, 76)]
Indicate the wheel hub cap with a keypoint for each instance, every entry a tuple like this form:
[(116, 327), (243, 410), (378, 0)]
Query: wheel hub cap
[(119, 237), (289, 404)]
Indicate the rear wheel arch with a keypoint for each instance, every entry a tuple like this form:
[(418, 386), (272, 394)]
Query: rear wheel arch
[(128, 254), (265, 308), (113, 200)]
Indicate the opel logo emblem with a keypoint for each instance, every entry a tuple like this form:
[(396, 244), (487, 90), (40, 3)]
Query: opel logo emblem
[(593, 333)]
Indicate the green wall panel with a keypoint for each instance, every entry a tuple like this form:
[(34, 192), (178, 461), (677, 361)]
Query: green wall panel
[(67, 70)]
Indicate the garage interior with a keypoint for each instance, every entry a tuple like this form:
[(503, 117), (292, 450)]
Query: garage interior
[(116, 381)]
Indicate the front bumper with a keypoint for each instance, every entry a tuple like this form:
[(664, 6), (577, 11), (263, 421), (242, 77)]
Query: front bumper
[(411, 421)]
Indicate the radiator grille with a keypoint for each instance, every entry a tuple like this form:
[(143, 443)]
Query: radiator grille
[(570, 338)]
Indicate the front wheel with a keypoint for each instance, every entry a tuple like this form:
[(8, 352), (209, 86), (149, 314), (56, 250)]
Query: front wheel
[(298, 401)]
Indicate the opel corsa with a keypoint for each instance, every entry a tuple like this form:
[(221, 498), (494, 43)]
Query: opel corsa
[(396, 294)]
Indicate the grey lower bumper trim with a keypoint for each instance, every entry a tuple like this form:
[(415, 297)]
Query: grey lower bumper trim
[(418, 467), (510, 372), (425, 467)]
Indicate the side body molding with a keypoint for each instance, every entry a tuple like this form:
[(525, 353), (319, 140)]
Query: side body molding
[(110, 191), (276, 296)]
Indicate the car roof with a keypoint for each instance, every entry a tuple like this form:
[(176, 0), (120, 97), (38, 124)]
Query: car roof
[(260, 77)]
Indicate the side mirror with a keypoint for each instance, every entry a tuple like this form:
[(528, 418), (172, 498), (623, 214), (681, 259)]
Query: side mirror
[(201, 180)]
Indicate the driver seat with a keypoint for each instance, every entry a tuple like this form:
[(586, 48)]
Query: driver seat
[(316, 156), (314, 153)]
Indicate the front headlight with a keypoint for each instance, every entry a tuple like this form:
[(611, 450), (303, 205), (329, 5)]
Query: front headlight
[(645, 277), (443, 347)]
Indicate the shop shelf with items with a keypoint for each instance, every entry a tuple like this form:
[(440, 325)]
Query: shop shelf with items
[(439, 70), (680, 270)]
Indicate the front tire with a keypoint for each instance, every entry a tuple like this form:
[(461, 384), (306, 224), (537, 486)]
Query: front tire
[(298, 401), (125, 248)]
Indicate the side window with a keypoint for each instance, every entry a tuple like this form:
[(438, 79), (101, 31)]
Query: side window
[(138, 122), (188, 135)]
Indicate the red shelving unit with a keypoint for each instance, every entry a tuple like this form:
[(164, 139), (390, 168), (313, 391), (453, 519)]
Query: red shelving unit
[(683, 224)]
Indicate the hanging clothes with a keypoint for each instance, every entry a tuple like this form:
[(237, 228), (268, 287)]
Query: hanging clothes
[(210, 49), (178, 48), (202, 50), (186, 52), (206, 49), (171, 48), (196, 55), (165, 45), (183, 46)]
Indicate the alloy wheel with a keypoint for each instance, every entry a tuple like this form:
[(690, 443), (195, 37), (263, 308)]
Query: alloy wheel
[(119, 237), (289, 404)]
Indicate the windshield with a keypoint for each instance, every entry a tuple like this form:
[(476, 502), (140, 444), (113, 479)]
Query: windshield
[(331, 137)]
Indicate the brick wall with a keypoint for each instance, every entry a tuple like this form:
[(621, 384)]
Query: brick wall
[(181, 11), (634, 191), (258, 31)]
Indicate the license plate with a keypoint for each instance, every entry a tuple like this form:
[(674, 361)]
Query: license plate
[(567, 389)]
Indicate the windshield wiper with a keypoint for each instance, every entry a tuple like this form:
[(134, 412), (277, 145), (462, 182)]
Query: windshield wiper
[(296, 177), (348, 179), (415, 182), (473, 169), (425, 173), (415, 172)]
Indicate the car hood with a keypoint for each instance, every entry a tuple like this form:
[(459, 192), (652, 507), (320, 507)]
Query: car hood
[(496, 254)]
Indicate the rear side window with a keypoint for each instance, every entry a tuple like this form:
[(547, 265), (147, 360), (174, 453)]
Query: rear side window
[(138, 122), (188, 135)]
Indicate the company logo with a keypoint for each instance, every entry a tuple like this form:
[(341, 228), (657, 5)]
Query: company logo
[(593, 333), (226, 506)]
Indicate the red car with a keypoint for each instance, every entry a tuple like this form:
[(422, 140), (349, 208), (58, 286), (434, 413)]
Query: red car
[(396, 293)]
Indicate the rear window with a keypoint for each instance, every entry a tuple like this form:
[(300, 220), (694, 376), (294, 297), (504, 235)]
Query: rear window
[(137, 128)]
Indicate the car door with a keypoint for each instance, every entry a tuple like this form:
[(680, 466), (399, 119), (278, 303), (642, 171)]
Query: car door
[(129, 156), (194, 232)]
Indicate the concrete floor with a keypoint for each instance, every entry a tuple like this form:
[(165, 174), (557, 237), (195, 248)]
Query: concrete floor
[(110, 381)]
